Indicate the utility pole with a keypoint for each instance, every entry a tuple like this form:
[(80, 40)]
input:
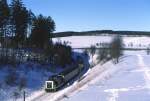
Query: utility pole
[(24, 94)]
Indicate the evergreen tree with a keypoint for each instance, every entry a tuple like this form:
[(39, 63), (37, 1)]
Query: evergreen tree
[(19, 20), (31, 18), (30, 21), (4, 16), (62, 54), (41, 31)]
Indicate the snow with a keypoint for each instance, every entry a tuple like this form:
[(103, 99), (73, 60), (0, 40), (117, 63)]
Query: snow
[(34, 77), (142, 42), (87, 41), (83, 41), (92, 73), (127, 81)]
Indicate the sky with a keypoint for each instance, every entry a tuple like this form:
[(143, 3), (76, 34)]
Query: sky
[(86, 15)]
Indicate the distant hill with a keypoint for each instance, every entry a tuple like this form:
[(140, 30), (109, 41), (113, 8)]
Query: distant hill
[(101, 32)]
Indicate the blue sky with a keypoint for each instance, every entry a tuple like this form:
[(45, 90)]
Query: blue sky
[(83, 15)]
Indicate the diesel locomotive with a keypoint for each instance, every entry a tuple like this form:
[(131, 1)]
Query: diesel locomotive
[(55, 82)]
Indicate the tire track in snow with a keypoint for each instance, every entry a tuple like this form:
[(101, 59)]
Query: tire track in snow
[(114, 93), (146, 71)]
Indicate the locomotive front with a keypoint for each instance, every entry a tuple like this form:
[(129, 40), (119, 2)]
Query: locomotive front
[(54, 83), (49, 85)]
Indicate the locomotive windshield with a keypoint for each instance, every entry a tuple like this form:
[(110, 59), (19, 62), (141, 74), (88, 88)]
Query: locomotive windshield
[(49, 85)]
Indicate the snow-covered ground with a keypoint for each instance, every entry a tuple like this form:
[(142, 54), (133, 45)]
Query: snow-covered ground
[(33, 75), (87, 41), (127, 81)]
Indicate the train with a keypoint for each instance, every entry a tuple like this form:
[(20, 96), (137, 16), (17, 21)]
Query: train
[(56, 82)]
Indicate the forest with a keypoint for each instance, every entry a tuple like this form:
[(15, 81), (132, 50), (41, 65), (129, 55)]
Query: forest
[(27, 37)]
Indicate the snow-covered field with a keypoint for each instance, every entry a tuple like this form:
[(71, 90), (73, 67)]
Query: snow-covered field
[(127, 81), (87, 41)]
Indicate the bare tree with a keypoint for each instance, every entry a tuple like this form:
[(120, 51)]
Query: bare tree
[(116, 48), (92, 51)]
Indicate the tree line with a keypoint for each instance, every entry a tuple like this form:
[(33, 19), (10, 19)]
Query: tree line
[(20, 28), (102, 32)]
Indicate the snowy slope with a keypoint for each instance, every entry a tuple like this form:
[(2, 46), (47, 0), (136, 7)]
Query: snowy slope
[(131, 82), (34, 79)]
